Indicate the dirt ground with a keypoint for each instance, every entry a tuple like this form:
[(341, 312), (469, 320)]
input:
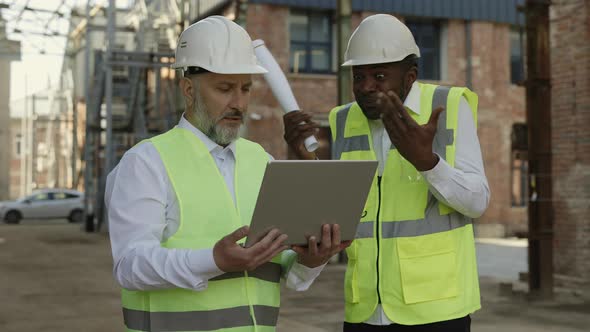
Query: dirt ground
[(54, 277)]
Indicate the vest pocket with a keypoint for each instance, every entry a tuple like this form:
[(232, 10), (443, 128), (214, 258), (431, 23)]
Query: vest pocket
[(428, 267)]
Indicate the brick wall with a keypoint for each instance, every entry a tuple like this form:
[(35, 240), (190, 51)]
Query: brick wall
[(501, 103), (40, 177), (570, 112), (267, 128)]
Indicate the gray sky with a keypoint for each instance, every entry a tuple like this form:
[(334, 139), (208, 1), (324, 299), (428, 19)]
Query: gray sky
[(42, 55)]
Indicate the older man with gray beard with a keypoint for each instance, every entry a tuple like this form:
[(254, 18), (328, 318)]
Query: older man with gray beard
[(179, 205)]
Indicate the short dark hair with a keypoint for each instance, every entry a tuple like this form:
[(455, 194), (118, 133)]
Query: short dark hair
[(194, 71), (409, 62)]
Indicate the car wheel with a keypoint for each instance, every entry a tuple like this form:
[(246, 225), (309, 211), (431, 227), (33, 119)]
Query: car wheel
[(76, 216), (13, 217)]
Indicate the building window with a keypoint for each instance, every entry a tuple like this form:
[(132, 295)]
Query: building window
[(516, 56), (427, 36), (519, 165), (519, 180), (18, 142), (311, 41)]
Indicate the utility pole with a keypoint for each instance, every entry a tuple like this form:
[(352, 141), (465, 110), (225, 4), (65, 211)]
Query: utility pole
[(108, 146), (109, 86), (538, 113), (241, 12), (71, 102), (24, 145), (185, 14), (89, 189), (344, 12), (32, 126)]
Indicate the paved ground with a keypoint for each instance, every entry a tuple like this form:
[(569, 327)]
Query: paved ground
[(53, 277), (502, 259)]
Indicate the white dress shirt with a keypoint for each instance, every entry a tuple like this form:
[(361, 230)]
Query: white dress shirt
[(464, 188), (143, 212)]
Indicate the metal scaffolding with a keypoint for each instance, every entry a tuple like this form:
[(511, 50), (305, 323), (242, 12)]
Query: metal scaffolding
[(122, 90), (131, 97)]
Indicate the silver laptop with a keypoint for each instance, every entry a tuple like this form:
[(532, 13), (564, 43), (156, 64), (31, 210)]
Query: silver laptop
[(297, 197)]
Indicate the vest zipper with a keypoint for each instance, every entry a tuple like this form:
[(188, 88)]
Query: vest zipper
[(377, 226)]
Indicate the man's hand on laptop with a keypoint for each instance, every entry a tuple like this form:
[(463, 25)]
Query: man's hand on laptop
[(316, 254), (232, 257)]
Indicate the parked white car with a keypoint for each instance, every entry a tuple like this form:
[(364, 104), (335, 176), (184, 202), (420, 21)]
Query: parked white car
[(44, 204)]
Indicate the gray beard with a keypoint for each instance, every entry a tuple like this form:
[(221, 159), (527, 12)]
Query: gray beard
[(209, 126)]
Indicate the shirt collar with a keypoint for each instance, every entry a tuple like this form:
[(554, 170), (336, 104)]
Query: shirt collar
[(412, 101), (212, 147)]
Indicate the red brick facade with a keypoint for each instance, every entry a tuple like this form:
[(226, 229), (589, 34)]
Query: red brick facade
[(50, 162), (501, 103), (570, 104), (16, 162)]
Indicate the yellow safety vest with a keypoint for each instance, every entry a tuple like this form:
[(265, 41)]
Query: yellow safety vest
[(236, 302), (412, 254)]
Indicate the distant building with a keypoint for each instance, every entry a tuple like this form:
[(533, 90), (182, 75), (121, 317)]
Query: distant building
[(463, 43), (475, 44), (41, 145), (9, 51), (17, 161)]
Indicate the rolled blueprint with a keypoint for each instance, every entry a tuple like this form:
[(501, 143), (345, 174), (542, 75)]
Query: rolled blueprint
[(279, 85)]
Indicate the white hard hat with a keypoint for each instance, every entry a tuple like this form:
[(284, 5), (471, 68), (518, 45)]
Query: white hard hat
[(380, 38), (218, 45)]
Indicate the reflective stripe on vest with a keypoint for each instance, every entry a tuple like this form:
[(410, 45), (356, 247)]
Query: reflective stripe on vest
[(444, 137), (433, 223), (346, 144), (199, 320), (268, 272)]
